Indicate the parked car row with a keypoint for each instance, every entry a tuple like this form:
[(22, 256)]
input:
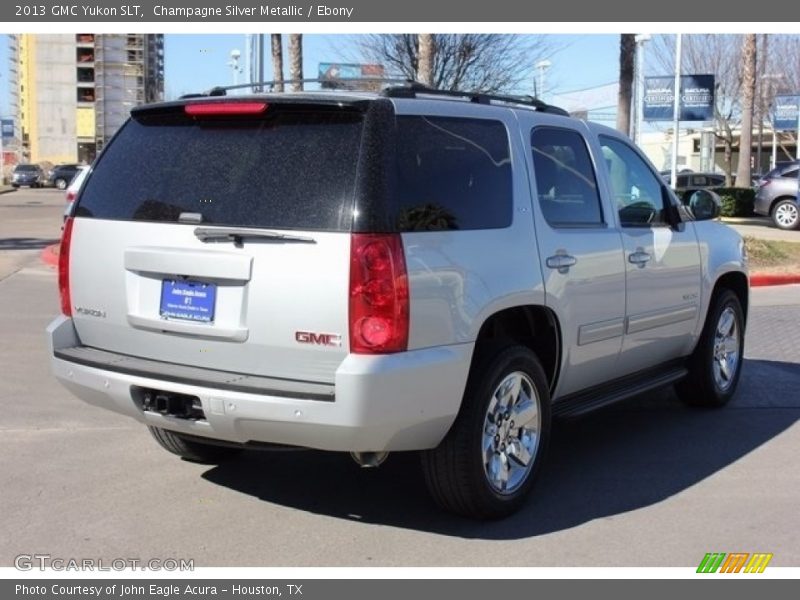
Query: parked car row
[(776, 196), (32, 175)]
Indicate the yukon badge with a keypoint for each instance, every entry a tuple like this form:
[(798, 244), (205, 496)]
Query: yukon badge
[(90, 312), (318, 339)]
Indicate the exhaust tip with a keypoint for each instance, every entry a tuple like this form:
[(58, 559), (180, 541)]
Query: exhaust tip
[(369, 460)]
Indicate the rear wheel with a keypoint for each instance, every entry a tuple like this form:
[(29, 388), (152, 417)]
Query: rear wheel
[(716, 363), (191, 449), (786, 214), (489, 460), (61, 183)]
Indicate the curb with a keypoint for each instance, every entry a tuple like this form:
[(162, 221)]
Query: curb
[(50, 256), (764, 279), (7, 190)]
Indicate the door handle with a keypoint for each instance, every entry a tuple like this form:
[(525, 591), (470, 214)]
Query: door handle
[(561, 262), (639, 258)]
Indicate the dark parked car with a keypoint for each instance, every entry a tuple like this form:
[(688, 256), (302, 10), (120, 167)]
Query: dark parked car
[(31, 175), (776, 196), (699, 181), (62, 175)]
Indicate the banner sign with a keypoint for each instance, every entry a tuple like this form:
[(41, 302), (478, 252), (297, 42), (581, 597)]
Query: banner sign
[(336, 75), (7, 126), (784, 112), (696, 98)]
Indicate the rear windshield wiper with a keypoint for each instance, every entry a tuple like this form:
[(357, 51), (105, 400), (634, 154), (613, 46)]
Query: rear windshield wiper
[(238, 235)]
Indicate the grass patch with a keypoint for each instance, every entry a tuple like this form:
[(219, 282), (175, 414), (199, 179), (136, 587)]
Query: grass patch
[(773, 255)]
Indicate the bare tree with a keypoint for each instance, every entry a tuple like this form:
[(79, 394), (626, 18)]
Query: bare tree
[(277, 61), (627, 52), (296, 60), (475, 62), (748, 96), (715, 54), (426, 53)]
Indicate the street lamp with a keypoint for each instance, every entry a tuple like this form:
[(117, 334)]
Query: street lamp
[(234, 65), (640, 40), (541, 67)]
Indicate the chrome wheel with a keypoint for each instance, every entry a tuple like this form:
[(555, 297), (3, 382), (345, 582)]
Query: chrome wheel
[(511, 433), (786, 215), (726, 349)]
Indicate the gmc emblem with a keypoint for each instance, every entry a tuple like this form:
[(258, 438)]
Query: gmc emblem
[(318, 339)]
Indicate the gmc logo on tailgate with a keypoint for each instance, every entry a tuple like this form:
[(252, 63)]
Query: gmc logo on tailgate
[(318, 339)]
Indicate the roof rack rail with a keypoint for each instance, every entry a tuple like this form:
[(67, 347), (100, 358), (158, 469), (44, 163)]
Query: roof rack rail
[(412, 91), (222, 90)]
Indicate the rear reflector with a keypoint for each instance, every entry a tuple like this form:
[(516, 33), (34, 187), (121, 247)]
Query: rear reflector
[(225, 108), (63, 268), (378, 294)]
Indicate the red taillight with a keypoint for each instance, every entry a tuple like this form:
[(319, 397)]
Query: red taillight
[(225, 108), (378, 294), (70, 197), (63, 268)]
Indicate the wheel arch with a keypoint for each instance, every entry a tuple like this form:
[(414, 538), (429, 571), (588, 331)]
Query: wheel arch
[(533, 326)]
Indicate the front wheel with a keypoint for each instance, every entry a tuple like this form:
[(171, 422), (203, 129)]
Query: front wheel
[(716, 364), (190, 449), (786, 215), (488, 462)]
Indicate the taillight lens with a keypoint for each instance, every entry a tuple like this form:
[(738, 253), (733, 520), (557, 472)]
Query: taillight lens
[(378, 294), (70, 197), (63, 268)]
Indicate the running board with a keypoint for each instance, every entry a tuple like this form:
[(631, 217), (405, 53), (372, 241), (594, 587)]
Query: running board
[(626, 387)]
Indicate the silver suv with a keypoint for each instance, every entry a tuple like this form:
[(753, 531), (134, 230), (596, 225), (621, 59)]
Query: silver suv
[(407, 270)]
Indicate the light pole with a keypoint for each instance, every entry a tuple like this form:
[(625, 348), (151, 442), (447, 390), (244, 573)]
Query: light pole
[(640, 39), (234, 64), (676, 114), (542, 67)]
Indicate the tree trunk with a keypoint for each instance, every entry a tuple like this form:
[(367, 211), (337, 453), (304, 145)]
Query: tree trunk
[(627, 52), (748, 95), (296, 60), (728, 162), (277, 61), (425, 61)]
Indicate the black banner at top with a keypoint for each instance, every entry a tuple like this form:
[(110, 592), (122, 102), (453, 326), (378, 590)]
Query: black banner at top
[(454, 11)]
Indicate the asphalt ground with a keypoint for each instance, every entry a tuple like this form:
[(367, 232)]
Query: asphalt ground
[(645, 483)]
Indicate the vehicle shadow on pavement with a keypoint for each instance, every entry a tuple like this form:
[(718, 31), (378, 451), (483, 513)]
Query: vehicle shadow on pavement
[(614, 461), (26, 243)]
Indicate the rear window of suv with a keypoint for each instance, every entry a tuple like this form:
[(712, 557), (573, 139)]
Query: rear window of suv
[(292, 168)]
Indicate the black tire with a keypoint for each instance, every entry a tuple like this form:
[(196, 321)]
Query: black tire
[(191, 449), (454, 471), (60, 183), (701, 387), (15, 185), (786, 208)]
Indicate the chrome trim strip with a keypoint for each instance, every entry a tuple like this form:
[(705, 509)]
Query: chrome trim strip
[(603, 330), (660, 318)]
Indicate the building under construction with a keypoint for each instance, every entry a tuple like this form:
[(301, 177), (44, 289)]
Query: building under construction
[(71, 92)]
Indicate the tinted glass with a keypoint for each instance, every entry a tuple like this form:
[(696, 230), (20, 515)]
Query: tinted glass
[(452, 174), (636, 189), (565, 181), (790, 174), (26, 168), (291, 169)]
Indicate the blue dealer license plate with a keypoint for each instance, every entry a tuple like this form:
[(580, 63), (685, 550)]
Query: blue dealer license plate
[(188, 300)]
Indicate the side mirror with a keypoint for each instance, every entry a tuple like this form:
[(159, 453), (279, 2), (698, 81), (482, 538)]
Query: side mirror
[(704, 204)]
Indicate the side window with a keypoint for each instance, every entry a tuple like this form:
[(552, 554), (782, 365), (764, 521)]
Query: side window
[(452, 173), (565, 183), (635, 189), (790, 174)]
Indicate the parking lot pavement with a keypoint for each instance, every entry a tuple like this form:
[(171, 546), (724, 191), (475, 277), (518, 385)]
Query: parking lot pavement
[(762, 228), (648, 483), (29, 221)]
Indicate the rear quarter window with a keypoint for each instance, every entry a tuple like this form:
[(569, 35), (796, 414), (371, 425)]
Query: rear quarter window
[(452, 174)]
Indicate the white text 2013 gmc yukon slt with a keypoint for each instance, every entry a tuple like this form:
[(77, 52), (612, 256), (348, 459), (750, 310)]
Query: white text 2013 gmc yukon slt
[(408, 270)]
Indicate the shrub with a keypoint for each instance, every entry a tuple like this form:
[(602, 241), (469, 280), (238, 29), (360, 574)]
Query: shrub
[(737, 202)]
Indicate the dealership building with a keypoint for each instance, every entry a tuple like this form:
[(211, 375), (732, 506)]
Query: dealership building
[(71, 92)]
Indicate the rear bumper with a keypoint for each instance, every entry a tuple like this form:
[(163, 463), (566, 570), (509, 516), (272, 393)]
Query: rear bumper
[(404, 401), (761, 205)]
